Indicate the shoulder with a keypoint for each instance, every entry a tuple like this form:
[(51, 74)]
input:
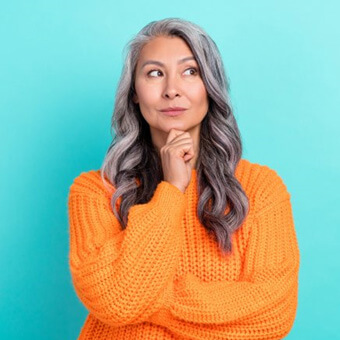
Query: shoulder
[(91, 183), (262, 184)]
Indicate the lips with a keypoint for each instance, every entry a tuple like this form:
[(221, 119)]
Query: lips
[(173, 111), (174, 108)]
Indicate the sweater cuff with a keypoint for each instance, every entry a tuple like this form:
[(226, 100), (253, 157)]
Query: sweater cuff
[(166, 194)]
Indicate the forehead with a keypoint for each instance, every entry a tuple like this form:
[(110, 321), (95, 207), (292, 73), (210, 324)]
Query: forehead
[(165, 49)]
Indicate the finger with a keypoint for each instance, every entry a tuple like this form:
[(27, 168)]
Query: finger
[(181, 140), (188, 156), (186, 149), (173, 134)]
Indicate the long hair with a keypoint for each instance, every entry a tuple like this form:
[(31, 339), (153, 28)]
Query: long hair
[(132, 156)]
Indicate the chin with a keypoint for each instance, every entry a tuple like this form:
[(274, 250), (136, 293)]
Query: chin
[(177, 127), (166, 129)]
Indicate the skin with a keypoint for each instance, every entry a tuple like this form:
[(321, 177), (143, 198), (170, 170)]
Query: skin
[(172, 84)]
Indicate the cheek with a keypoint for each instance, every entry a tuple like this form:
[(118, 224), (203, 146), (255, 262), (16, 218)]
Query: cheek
[(199, 94), (147, 94)]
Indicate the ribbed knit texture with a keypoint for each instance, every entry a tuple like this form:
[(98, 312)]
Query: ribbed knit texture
[(163, 277)]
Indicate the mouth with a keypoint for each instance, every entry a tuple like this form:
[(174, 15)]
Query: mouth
[(173, 113)]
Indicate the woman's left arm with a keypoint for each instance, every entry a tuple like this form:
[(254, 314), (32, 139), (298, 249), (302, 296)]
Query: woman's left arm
[(262, 305)]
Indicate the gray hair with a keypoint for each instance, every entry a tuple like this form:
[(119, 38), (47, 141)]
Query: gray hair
[(132, 155)]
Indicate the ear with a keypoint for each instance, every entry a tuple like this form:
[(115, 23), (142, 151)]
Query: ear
[(135, 98)]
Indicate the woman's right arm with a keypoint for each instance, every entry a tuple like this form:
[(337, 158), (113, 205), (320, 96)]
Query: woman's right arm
[(124, 276)]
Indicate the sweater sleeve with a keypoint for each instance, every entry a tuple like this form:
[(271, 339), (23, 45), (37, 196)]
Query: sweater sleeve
[(262, 304), (123, 276)]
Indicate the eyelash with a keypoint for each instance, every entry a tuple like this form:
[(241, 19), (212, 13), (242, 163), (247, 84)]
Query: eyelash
[(190, 68)]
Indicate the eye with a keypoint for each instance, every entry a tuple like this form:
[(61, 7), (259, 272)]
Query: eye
[(149, 73), (192, 68)]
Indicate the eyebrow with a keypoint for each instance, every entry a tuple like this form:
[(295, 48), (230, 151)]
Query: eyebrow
[(156, 62)]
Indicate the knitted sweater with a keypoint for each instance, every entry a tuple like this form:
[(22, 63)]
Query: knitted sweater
[(164, 277)]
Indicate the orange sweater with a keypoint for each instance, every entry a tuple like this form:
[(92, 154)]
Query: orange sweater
[(163, 277)]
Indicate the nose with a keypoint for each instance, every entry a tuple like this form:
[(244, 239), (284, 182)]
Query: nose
[(171, 89)]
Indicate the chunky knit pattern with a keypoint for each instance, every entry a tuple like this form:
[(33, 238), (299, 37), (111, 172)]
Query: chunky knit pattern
[(163, 277)]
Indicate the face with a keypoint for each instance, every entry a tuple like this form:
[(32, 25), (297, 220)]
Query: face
[(167, 75)]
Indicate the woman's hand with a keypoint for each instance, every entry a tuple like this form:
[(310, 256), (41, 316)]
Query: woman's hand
[(176, 155)]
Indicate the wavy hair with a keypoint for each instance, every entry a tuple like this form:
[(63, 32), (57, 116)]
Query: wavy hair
[(132, 157)]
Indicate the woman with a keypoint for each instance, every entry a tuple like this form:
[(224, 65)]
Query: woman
[(176, 236)]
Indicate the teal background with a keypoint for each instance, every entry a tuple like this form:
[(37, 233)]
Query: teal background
[(60, 62)]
